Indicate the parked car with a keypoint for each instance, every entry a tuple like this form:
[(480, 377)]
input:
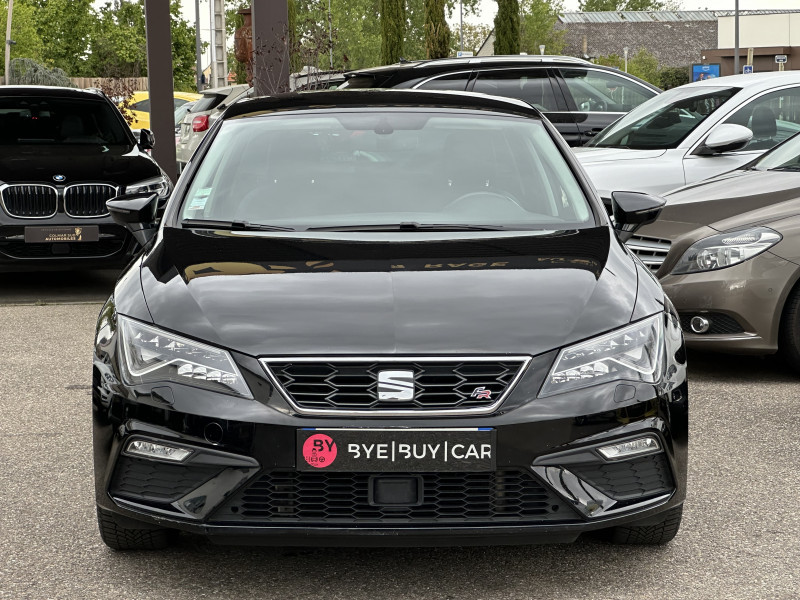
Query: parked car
[(202, 116), (727, 251), (352, 328), (140, 106), (578, 97), (180, 113), (308, 80), (64, 153), (694, 132)]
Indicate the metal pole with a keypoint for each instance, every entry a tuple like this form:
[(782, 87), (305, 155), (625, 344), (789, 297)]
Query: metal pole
[(330, 31), (211, 45), (198, 49), (8, 42), (159, 75), (736, 39), (461, 26), (270, 50)]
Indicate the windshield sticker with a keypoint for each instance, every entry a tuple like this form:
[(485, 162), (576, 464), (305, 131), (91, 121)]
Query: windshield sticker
[(200, 198)]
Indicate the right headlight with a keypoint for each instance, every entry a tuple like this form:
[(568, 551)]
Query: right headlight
[(725, 250), (152, 355), (632, 353)]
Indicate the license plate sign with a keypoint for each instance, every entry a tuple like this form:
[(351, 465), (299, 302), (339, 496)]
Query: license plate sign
[(46, 235), (396, 450)]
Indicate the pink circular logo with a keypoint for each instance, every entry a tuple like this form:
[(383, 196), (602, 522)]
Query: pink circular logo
[(319, 450)]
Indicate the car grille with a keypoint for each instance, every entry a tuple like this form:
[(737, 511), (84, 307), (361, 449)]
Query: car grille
[(288, 497), (439, 384), (650, 250), (88, 200), (99, 249), (30, 201), (720, 323), (152, 482), (629, 480)]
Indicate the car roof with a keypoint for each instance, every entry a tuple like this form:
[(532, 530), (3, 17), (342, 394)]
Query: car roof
[(471, 61), (380, 98), (753, 81), (48, 90)]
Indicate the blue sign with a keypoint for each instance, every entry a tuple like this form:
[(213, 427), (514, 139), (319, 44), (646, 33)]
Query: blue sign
[(701, 72), (747, 69)]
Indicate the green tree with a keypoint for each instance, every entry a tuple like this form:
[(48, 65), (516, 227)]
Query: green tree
[(642, 63), (506, 27), (27, 43), (537, 26), (437, 33), (65, 27), (118, 43), (670, 77), (393, 24)]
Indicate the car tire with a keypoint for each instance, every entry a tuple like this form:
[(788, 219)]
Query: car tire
[(789, 335), (117, 537), (649, 534)]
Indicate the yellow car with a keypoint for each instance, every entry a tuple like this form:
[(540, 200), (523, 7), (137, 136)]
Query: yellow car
[(139, 106)]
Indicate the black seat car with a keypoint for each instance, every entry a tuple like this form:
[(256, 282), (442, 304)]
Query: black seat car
[(63, 153), (346, 333), (578, 97)]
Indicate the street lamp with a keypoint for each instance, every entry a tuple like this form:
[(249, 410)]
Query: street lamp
[(625, 52)]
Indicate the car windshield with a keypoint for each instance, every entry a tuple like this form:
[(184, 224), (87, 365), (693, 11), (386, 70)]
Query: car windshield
[(56, 121), (411, 167), (664, 121), (785, 157)]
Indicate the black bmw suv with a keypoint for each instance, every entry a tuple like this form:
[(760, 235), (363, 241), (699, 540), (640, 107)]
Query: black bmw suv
[(63, 153), (387, 318), (578, 97)]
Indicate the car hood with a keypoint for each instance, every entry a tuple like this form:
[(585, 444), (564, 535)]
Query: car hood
[(738, 198), (77, 163), (389, 293), (588, 156)]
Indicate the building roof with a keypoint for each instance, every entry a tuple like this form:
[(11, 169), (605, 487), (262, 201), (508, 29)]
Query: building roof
[(661, 16)]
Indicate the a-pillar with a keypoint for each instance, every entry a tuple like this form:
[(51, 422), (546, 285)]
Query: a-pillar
[(270, 46), (159, 76)]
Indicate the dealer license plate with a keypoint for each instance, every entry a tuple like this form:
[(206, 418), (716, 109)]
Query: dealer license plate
[(67, 233), (396, 450)]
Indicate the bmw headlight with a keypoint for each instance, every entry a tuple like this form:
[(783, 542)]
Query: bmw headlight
[(152, 355), (726, 249), (159, 185), (632, 353)]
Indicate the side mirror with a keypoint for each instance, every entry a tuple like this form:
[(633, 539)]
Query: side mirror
[(136, 213), (727, 137), (146, 139), (631, 210)]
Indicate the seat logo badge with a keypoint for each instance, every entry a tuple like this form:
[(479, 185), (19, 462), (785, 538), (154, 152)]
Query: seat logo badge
[(481, 393), (59, 178), (395, 385)]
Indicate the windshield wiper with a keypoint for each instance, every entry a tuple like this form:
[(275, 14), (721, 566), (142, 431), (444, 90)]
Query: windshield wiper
[(232, 225), (787, 168), (411, 226)]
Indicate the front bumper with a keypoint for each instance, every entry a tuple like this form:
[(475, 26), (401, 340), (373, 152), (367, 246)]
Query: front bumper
[(746, 300), (115, 248), (243, 486)]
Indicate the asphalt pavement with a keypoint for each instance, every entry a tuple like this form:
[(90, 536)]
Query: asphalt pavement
[(740, 536)]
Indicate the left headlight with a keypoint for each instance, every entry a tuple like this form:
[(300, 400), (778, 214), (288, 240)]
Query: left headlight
[(159, 185), (632, 353), (725, 250), (151, 355)]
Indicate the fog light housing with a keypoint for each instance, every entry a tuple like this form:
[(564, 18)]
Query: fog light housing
[(699, 324), (630, 448), (159, 451)]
